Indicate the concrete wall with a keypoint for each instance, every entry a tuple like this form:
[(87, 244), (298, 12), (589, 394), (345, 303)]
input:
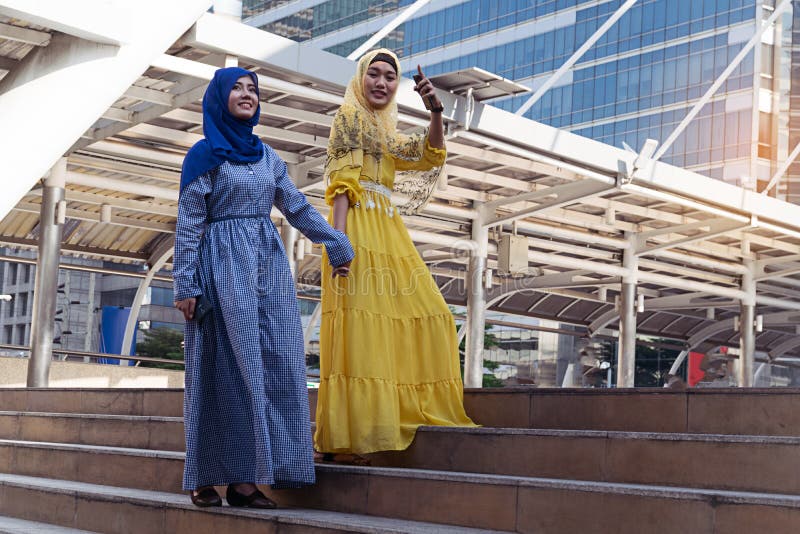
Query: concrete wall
[(13, 373)]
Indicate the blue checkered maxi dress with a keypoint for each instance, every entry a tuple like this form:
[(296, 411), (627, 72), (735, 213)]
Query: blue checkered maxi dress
[(246, 404)]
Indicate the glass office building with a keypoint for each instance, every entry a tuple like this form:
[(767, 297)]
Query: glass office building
[(637, 82)]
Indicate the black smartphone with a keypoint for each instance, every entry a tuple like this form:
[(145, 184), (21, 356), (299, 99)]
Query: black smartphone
[(202, 307), (427, 100)]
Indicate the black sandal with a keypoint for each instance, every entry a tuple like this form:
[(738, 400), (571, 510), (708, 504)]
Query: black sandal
[(205, 497), (254, 500), (346, 459)]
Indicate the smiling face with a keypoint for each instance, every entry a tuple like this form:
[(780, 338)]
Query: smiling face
[(243, 100), (380, 84)]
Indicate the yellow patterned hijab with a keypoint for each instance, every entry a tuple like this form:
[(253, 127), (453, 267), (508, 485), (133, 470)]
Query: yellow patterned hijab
[(358, 126)]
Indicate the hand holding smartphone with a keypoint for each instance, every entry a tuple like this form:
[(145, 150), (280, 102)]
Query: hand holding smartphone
[(428, 100)]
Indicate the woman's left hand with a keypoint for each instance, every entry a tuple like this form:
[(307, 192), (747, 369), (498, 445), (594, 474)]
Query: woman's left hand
[(187, 306), (426, 90)]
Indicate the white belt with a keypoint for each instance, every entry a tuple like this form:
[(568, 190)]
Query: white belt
[(377, 188)]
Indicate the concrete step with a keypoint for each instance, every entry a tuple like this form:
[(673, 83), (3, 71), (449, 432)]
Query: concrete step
[(112, 510), (750, 463), (117, 401), (769, 412), (552, 506), (522, 503), (136, 431), (719, 461), (742, 463), (12, 525)]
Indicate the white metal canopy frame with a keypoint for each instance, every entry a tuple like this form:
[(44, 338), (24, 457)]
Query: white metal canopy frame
[(617, 241)]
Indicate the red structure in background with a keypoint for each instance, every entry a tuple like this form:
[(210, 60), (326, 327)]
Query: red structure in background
[(695, 373)]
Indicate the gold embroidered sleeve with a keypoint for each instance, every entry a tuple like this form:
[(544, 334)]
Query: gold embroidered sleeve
[(344, 174), (431, 157)]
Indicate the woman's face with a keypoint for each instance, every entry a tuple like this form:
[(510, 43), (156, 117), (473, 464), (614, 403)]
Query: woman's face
[(243, 100), (380, 84)]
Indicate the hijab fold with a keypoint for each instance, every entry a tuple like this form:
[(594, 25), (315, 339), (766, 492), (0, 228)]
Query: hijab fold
[(226, 137)]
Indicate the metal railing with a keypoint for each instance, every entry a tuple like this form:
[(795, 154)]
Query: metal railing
[(25, 353)]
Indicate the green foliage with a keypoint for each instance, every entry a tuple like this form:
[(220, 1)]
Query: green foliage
[(491, 381), (162, 343), (490, 365), (489, 339)]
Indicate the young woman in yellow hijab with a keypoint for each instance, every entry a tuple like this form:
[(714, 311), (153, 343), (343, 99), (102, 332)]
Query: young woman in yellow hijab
[(388, 348)]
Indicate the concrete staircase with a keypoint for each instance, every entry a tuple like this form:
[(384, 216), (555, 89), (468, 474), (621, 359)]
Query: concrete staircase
[(546, 461)]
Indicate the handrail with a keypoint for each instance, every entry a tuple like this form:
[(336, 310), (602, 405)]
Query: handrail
[(86, 354)]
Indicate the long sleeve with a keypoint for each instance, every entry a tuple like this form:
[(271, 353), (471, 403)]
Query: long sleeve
[(431, 157), (302, 215), (345, 174), (188, 232)]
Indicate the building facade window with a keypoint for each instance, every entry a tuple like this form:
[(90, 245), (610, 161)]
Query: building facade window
[(11, 273), (637, 82), (19, 338), (23, 304)]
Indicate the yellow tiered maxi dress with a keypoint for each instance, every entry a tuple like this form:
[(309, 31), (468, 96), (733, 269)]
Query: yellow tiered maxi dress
[(388, 346)]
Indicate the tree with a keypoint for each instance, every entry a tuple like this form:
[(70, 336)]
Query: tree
[(489, 340), (165, 343), (653, 361)]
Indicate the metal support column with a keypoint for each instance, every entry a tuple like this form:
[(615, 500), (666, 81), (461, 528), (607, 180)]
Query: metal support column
[(46, 284), (626, 350), (476, 306), (747, 329), (289, 238)]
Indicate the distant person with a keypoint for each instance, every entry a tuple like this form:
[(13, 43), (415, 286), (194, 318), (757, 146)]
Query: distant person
[(246, 402), (388, 347), (716, 371)]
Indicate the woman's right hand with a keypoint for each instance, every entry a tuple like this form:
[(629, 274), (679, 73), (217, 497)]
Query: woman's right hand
[(187, 307), (342, 270), (426, 90)]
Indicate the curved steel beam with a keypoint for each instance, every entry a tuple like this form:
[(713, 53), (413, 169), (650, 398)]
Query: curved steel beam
[(312, 323), (601, 322), (529, 283), (701, 336), (784, 347), (157, 260), (709, 331)]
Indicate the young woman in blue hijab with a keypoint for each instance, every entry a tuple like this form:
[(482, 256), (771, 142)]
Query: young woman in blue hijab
[(246, 408)]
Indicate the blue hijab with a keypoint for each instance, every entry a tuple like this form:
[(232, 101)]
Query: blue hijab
[(226, 137)]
